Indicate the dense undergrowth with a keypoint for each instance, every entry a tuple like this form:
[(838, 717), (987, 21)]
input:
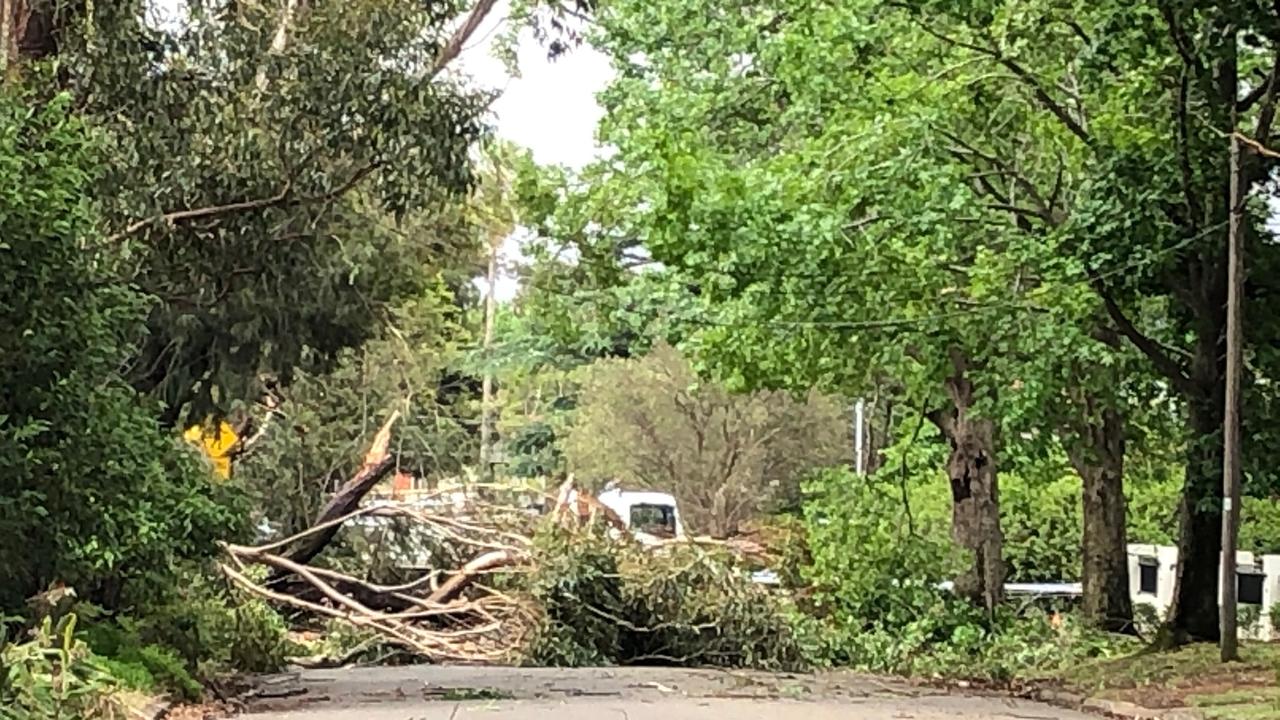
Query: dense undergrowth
[(80, 661)]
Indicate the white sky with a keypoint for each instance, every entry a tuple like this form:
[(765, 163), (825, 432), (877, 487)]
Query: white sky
[(550, 109)]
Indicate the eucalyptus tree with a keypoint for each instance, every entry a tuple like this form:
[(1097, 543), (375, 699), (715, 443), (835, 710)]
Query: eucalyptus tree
[(263, 157)]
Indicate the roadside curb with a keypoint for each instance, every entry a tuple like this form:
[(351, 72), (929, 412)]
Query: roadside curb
[(1114, 708)]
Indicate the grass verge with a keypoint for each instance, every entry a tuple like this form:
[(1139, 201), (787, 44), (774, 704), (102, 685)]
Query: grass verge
[(1191, 676)]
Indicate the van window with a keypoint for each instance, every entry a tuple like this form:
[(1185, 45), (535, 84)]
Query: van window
[(659, 520), (1249, 587), (1148, 579)]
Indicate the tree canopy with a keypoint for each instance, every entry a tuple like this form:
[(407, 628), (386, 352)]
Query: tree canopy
[(1012, 214)]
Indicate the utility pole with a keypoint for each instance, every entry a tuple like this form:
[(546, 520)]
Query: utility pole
[(1231, 416), (486, 401)]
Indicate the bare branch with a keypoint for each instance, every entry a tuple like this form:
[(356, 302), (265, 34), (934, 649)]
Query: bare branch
[(454, 46), (1256, 146)]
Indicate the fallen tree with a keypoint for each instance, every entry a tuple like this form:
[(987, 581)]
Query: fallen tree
[(432, 616), (508, 585)]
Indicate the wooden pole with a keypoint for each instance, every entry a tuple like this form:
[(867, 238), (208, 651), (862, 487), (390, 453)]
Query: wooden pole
[(1231, 416), (486, 402)]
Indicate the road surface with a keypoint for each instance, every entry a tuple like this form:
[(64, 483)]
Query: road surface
[(487, 693)]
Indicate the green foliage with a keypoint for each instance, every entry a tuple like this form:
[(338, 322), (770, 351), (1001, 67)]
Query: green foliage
[(884, 194), (322, 155), (210, 627), (1042, 527), (174, 640), (892, 581), (578, 589), (326, 420), (139, 666), (54, 675), (607, 602), (102, 497), (1153, 505), (882, 608)]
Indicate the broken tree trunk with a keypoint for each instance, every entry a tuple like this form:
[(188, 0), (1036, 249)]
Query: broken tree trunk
[(342, 503), (378, 463)]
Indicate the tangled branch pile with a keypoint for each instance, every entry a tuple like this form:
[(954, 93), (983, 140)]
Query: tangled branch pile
[(503, 584), (433, 616)]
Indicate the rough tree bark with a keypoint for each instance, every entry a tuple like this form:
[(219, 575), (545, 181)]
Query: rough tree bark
[(1194, 613), (27, 31), (1096, 450), (975, 494)]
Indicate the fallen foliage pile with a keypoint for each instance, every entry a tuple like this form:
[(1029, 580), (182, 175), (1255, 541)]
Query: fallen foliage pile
[(445, 614), (601, 602)]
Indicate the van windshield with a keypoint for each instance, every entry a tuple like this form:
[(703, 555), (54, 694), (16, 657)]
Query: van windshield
[(659, 520)]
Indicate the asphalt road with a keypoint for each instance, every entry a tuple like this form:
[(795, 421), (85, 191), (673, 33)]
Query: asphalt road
[(486, 693)]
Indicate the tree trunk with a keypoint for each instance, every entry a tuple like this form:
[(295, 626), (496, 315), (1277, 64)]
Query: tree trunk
[(1194, 614), (1097, 454), (975, 511), (975, 495), (27, 31)]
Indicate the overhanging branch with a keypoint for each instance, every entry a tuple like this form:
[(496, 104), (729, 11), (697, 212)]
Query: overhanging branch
[(1022, 74), (280, 199), (1154, 351)]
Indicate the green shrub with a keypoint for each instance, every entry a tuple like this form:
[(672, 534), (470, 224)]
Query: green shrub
[(55, 675), (577, 588), (211, 627), (138, 666), (188, 635), (868, 566), (101, 496)]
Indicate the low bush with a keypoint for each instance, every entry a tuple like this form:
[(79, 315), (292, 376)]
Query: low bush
[(883, 609), (139, 666), (53, 674), (603, 601), (210, 627)]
